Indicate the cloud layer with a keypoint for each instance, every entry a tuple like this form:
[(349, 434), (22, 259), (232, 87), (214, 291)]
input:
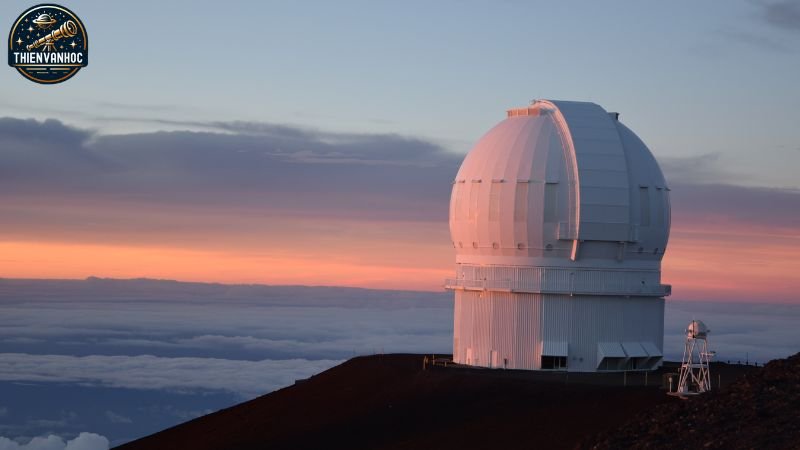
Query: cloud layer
[(240, 165), (151, 372), (127, 358), (783, 14), (84, 441), (283, 169), (255, 202)]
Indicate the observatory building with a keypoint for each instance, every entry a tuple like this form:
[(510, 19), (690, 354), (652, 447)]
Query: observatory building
[(559, 216)]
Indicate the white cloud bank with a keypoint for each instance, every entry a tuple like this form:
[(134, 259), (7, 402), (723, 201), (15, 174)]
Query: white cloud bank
[(758, 332), (84, 441), (247, 378)]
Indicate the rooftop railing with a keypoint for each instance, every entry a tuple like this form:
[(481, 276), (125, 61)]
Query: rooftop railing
[(572, 284)]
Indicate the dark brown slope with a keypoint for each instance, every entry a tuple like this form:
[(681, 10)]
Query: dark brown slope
[(759, 411), (389, 402)]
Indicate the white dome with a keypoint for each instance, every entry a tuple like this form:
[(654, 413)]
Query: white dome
[(697, 329), (560, 184)]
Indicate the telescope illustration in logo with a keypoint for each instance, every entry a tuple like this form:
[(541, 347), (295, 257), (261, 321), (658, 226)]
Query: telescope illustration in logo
[(66, 30)]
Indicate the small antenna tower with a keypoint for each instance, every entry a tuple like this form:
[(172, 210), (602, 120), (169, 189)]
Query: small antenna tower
[(694, 377)]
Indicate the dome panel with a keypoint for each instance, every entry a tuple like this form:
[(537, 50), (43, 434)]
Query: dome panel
[(556, 177)]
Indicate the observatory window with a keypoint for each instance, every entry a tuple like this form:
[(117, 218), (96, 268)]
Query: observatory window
[(644, 206), (550, 202), (659, 207), (554, 362), (473, 200), (521, 202), (457, 190), (612, 363), (494, 201)]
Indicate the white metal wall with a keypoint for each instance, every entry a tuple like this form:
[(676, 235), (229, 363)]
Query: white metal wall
[(515, 326)]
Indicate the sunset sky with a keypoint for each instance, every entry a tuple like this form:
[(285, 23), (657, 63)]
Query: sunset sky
[(305, 143)]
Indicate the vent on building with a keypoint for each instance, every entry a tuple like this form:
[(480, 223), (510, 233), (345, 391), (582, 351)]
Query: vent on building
[(554, 355)]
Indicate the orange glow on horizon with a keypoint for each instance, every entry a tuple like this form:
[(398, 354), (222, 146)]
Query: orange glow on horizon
[(77, 261), (740, 263), (732, 262)]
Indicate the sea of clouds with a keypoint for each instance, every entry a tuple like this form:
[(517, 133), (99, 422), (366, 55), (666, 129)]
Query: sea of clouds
[(127, 358), (84, 441)]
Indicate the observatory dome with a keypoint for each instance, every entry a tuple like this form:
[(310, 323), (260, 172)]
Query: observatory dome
[(697, 329), (560, 183), (560, 216)]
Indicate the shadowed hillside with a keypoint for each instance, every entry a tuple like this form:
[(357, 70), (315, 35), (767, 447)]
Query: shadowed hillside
[(390, 402), (760, 410)]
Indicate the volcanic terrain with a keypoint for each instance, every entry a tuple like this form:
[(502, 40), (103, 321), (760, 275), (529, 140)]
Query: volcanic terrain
[(392, 402)]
